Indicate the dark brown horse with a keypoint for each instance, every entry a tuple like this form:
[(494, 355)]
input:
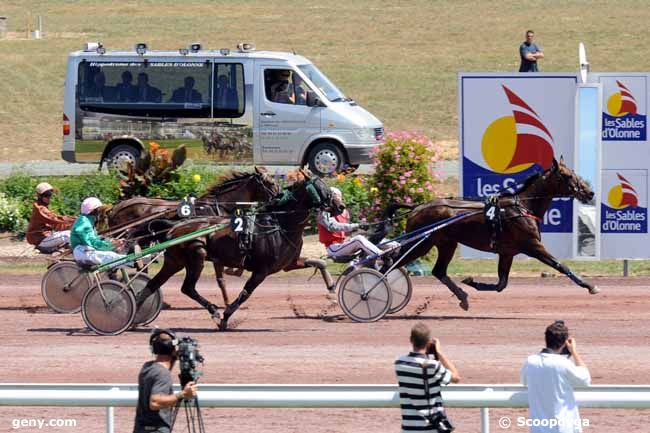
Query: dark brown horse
[(521, 215), (277, 241), (219, 199)]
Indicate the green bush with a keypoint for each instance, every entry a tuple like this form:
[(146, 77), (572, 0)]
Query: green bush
[(403, 171), (11, 219), (190, 180)]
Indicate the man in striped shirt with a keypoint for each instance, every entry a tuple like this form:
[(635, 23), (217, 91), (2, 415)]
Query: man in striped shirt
[(415, 405)]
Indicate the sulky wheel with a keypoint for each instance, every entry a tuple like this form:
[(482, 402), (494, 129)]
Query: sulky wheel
[(364, 295), (401, 288), (63, 287), (150, 308), (108, 308)]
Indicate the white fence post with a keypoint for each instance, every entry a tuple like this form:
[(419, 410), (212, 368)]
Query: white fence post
[(485, 420), (110, 416)]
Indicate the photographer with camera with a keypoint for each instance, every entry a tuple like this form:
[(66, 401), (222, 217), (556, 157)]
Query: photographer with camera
[(550, 377), (424, 411), (156, 399)]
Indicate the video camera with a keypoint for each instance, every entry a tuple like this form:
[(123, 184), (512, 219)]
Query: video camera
[(188, 359)]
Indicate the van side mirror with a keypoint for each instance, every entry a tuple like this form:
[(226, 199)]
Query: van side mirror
[(313, 100)]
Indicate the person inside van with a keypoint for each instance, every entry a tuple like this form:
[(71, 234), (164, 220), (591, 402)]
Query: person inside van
[(126, 90), (281, 89), (225, 96), (98, 89), (187, 93), (145, 92)]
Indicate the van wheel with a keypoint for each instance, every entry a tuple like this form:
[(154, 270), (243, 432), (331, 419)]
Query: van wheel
[(121, 155), (325, 158)]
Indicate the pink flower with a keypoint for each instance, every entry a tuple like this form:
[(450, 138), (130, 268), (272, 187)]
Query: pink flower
[(430, 187), (408, 199), (402, 182), (414, 180), (408, 173), (402, 177), (420, 190), (390, 190)]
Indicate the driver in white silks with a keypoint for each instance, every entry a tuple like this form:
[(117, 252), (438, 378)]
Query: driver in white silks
[(88, 248), (332, 232)]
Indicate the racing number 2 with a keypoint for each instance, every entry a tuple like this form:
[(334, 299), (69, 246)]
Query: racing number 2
[(238, 224)]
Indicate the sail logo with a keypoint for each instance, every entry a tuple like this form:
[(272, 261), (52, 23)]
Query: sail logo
[(620, 210), (625, 118)]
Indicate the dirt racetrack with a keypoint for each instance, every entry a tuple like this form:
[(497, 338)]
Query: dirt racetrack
[(281, 337)]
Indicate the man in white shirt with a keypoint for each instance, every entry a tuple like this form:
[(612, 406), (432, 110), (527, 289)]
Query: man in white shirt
[(551, 377)]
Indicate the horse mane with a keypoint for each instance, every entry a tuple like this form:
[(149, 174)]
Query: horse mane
[(527, 184), (226, 179)]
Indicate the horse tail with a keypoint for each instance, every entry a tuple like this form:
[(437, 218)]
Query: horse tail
[(384, 226)]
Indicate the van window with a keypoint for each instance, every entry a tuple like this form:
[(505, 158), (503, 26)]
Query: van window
[(322, 82), (284, 86), (229, 97), (158, 89)]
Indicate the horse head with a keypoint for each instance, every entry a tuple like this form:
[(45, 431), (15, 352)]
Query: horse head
[(569, 184), (312, 192)]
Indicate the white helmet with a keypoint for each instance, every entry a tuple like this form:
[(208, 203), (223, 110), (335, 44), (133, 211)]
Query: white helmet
[(336, 191), (43, 187), (90, 204)]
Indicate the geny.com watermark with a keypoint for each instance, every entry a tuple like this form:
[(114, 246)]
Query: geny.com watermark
[(18, 423), (521, 421)]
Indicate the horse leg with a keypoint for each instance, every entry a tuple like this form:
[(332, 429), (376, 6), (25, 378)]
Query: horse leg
[(505, 262), (540, 253), (320, 265), (171, 266), (221, 282), (196, 255), (252, 283), (445, 254)]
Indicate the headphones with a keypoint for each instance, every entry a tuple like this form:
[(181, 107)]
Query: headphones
[(162, 347)]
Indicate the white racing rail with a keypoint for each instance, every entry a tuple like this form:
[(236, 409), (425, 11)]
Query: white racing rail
[(312, 396)]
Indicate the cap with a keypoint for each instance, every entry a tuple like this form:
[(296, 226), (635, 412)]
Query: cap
[(43, 187)]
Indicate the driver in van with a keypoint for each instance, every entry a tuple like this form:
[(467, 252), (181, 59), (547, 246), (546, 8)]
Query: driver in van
[(281, 89)]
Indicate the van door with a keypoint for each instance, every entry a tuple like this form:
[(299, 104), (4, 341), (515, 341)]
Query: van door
[(284, 122)]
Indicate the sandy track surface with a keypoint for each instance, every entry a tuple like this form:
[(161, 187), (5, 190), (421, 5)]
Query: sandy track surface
[(289, 332)]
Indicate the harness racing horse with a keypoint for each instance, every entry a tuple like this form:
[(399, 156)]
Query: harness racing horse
[(276, 246), (219, 199), (521, 215)]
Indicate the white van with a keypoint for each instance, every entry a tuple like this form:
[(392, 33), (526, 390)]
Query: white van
[(241, 106)]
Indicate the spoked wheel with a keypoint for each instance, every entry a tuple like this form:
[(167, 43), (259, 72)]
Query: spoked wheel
[(401, 288), (150, 308), (63, 287), (108, 308), (364, 295)]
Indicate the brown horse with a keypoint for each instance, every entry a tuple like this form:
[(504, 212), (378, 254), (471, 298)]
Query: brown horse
[(277, 241), (219, 199), (521, 214)]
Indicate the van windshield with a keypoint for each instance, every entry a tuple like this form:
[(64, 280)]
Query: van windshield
[(320, 80)]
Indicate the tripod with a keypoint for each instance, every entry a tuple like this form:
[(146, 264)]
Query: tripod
[(192, 411)]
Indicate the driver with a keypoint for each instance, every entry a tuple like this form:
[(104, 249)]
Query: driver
[(332, 232), (87, 246)]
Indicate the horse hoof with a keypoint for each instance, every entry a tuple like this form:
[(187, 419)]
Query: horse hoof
[(594, 290), (469, 281), (223, 325), (216, 317), (464, 304)]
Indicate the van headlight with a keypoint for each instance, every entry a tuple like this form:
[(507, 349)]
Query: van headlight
[(365, 134)]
